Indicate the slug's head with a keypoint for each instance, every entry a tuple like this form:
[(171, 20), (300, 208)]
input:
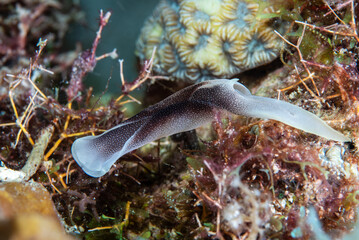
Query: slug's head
[(89, 158)]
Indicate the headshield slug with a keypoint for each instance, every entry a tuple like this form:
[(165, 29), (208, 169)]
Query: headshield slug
[(186, 110)]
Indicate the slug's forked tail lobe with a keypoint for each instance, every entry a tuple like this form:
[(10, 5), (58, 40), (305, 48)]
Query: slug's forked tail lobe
[(293, 116), (236, 98)]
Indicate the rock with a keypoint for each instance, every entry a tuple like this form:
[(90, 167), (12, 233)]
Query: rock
[(27, 212)]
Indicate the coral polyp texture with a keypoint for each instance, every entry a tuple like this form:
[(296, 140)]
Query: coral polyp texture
[(197, 40)]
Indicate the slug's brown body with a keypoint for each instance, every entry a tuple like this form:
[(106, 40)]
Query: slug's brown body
[(187, 110)]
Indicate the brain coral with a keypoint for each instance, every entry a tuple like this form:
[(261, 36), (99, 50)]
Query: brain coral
[(198, 40)]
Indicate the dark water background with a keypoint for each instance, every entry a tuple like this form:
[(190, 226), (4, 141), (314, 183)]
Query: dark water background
[(128, 16)]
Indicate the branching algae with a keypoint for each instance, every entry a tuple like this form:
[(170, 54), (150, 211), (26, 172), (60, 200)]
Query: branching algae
[(187, 110)]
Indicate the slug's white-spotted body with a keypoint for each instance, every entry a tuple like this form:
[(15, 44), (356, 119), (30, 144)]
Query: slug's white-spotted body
[(186, 110)]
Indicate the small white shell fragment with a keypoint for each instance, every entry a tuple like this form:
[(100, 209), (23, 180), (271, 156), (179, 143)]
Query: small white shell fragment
[(9, 175)]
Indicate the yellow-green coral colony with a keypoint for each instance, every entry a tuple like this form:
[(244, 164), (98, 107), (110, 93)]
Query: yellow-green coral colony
[(198, 40)]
